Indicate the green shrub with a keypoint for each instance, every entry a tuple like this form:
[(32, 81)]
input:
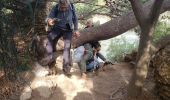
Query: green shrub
[(162, 29), (119, 47)]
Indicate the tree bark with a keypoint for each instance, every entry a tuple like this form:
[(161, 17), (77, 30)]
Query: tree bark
[(138, 12), (8, 52), (41, 12), (116, 26), (143, 57)]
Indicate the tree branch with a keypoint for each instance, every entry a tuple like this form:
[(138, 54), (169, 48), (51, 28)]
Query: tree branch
[(116, 26), (155, 11), (138, 11)]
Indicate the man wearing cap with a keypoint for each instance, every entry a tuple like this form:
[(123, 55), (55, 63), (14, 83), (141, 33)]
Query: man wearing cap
[(62, 17)]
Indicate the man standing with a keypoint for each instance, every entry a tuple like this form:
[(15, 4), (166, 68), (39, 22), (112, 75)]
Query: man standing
[(62, 18)]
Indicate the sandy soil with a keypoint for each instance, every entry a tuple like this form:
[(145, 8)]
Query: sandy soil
[(102, 86), (110, 84)]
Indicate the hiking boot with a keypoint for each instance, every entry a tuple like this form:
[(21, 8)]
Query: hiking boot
[(52, 68)]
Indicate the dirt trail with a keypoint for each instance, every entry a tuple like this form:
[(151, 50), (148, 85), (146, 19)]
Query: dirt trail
[(95, 87)]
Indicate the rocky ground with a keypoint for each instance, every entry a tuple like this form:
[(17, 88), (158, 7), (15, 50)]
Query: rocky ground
[(106, 85)]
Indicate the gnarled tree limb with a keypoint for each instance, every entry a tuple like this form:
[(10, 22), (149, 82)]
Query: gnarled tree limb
[(116, 26)]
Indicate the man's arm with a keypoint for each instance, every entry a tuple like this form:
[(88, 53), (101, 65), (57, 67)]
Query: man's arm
[(101, 56), (104, 59), (52, 14)]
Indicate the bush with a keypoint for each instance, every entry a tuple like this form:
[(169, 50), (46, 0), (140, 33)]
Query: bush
[(162, 29), (118, 48)]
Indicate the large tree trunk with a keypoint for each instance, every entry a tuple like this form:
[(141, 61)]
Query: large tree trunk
[(116, 26), (147, 24), (143, 58)]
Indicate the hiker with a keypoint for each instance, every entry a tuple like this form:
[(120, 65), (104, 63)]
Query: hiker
[(87, 54), (93, 63), (62, 18), (87, 57)]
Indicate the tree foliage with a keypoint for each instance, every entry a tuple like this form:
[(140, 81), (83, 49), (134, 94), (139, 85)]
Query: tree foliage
[(119, 47), (111, 8), (162, 29), (8, 52), (12, 28)]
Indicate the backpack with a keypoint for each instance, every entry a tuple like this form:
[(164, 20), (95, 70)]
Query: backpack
[(80, 51), (78, 54)]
